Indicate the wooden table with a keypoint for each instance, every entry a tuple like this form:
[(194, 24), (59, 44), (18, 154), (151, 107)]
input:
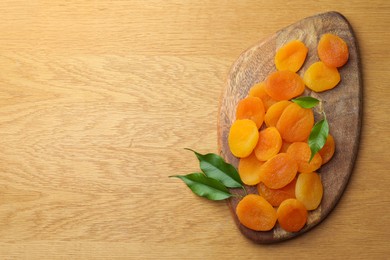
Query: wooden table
[(98, 100)]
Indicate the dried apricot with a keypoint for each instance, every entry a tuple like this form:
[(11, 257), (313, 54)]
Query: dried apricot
[(292, 215), (269, 144), (301, 152), (327, 150), (251, 108), (277, 196), (309, 190), (291, 56), (332, 50), (258, 90), (274, 112), (249, 169), (295, 123), (320, 77), (278, 171), (254, 212), (284, 85), (243, 137)]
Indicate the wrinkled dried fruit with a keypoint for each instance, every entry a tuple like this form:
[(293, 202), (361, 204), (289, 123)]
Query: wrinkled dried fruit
[(327, 150), (278, 171), (274, 112), (249, 169), (254, 212), (284, 85), (243, 137), (269, 144), (277, 196), (301, 152), (292, 215), (320, 77), (291, 56), (258, 90), (251, 108), (332, 50), (295, 123), (309, 190)]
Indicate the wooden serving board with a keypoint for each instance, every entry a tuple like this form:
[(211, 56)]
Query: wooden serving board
[(343, 107)]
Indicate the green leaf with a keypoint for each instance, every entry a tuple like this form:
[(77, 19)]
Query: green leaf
[(318, 136), (215, 167), (306, 102), (204, 186)]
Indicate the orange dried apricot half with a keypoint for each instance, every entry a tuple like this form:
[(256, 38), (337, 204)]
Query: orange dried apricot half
[(291, 56), (277, 196), (251, 108), (327, 150), (301, 152), (274, 112), (332, 50), (254, 212), (249, 169), (284, 85), (295, 123), (258, 90), (309, 190), (292, 215), (269, 144), (320, 77), (243, 137), (278, 171)]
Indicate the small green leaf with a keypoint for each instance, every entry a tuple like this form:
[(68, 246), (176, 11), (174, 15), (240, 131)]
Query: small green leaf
[(204, 186), (215, 167), (318, 136), (306, 102)]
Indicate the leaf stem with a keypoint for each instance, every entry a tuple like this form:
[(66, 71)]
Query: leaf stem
[(238, 196), (246, 192)]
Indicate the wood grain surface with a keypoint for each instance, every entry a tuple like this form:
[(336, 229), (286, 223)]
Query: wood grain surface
[(98, 100), (342, 105)]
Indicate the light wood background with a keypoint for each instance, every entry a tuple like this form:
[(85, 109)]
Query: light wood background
[(98, 100)]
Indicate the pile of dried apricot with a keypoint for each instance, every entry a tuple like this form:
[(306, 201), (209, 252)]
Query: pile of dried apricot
[(270, 136)]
